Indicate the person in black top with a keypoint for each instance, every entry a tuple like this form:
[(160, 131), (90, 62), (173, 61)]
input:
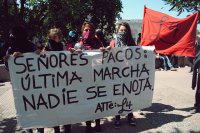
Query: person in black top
[(139, 39), (196, 78), (54, 44), (19, 44), (100, 36)]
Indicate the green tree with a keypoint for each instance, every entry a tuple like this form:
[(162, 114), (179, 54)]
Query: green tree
[(72, 13), (102, 17), (184, 5), (198, 32), (40, 15), (9, 16)]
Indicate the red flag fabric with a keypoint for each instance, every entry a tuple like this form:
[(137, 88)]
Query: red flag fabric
[(169, 35)]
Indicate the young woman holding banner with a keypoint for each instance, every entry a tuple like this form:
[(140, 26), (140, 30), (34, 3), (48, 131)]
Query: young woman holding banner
[(123, 38), (18, 45), (54, 44), (88, 42)]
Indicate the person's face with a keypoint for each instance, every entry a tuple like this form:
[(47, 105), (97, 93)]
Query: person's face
[(87, 28), (57, 39), (88, 32), (122, 29)]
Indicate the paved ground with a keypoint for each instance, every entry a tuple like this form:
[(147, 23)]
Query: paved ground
[(170, 111)]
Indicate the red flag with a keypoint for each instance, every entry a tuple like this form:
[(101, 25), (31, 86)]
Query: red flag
[(169, 35)]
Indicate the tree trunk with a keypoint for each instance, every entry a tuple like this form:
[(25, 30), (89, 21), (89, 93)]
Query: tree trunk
[(22, 9), (6, 23)]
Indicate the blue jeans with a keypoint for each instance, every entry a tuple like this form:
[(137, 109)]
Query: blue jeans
[(166, 62)]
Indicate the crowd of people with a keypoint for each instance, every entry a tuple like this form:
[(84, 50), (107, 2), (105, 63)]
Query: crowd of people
[(90, 39)]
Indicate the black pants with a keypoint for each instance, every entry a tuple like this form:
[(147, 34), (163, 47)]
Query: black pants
[(41, 130), (97, 121), (191, 63), (57, 129), (174, 61), (30, 130), (130, 116), (197, 95), (66, 127)]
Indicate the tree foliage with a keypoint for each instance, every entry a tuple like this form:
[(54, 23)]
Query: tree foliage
[(184, 5), (41, 15)]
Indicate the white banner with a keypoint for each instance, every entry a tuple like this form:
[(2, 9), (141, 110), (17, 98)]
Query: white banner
[(58, 88)]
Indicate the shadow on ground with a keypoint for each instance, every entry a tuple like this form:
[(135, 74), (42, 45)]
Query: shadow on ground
[(178, 131), (8, 125), (154, 117)]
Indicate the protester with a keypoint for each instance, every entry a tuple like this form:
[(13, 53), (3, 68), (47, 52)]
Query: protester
[(39, 45), (174, 61), (139, 39), (191, 63), (196, 78), (158, 62), (181, 61), (89, 42), (99, 35), (167, 65), (2, 48), (123, 38), (72, 40), (54, 44), (18, 45), (191, 59), (19, 41)]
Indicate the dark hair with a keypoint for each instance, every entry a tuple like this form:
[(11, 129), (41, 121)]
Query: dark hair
[(100, 36), (130, 40), (20, 32), (89, 25), (99, 33)]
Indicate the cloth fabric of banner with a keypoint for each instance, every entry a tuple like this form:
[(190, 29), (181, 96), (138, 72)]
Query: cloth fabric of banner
[(169, 35), (57, 87)]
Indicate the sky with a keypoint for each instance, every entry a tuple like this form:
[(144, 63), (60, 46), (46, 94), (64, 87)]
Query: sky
[(133, 9)]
